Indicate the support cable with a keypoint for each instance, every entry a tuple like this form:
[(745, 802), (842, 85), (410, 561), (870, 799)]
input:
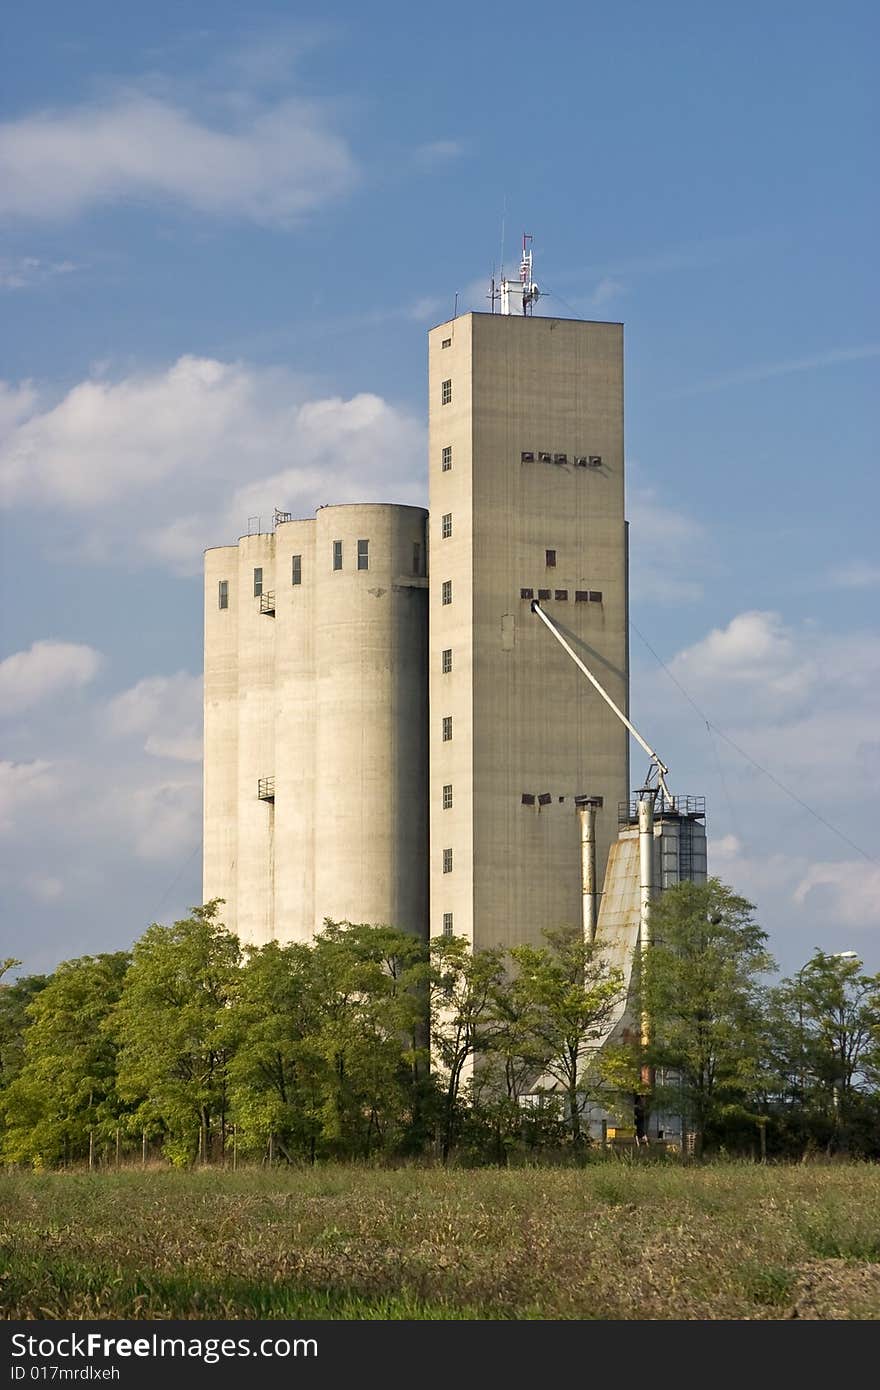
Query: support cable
[(713, 728)]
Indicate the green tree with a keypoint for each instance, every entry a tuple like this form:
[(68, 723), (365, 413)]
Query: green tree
[(570, 1000), (64, 1102), (170, 1024), (275, 1071), (369, 982), (15, 996), (701, 989), (462, 986), (330, 1052), (829, 1033)]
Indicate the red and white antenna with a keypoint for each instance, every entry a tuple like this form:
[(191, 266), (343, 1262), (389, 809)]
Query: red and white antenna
[(528, 289)]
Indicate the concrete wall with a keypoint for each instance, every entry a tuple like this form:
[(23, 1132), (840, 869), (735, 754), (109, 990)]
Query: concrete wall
[(328, 696), (524, 719), (220, 810)]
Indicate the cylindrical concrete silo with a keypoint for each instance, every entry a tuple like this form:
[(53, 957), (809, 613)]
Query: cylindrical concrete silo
[(295, 731), (370, 790), (220, 805), (256, 740)]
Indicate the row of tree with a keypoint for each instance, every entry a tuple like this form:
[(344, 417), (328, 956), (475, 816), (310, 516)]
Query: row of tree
[(369, 1042)]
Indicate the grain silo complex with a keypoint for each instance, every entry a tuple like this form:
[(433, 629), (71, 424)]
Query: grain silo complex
[(391, 735), (316, 767)]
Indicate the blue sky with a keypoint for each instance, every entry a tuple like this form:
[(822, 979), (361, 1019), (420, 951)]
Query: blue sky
[(223, 236)]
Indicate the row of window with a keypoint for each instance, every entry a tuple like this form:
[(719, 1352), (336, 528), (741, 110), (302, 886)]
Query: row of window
[(579, 460), (561, 595), (446, 652), (296, 571), (527, 455)]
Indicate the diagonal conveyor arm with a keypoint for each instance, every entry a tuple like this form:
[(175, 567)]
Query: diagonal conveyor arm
[(661, 767)]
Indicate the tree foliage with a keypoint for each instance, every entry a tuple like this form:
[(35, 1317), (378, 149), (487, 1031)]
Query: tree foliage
[(702, 992), (64, 1097)]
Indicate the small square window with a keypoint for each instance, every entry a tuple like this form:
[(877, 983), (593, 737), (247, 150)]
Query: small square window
[(561, 595), (258, 582), (337, 555), (581, 461), (447, 861), (447, 797), (447, 727), (595, 461), (527, 593), (446, 591), (528, 798), (446, 660), (447, 342), (446, 392), (417, 557), (296, 569), (446, 526), (527, 456), (544, 799), (447, 924), (543, 593), (550, 559), (560, 458), (581, 596), (446, 458), (363, 555), (223, 593), (545, 458), (595, 596)]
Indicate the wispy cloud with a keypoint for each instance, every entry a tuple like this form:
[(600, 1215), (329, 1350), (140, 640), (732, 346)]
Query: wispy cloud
[(29, 272), (187, 447), (267, 164), (859, 574), (766, 370), (434, 152), (607, 289), (45, 669)]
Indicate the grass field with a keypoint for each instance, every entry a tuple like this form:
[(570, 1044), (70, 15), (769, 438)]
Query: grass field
[(611, 1240)]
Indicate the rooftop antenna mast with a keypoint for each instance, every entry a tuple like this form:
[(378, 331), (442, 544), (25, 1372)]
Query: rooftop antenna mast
[(528, 289)]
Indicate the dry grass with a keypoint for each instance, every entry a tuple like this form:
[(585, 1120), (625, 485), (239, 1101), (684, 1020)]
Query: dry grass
[(610, 1240)]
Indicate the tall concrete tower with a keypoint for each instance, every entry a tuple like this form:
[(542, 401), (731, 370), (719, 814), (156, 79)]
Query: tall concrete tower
[(315, 790), (526, 500)]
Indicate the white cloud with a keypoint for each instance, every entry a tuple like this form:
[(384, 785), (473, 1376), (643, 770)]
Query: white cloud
[(27, 272), (166, 711), (187, 446), (607, 290), (852, 891), (666, 550), (755, 652), (859, 574), (24, 786), (44, 670), (44, 887), (765, 371), (271, 165), (435, 152), (801, 703)]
